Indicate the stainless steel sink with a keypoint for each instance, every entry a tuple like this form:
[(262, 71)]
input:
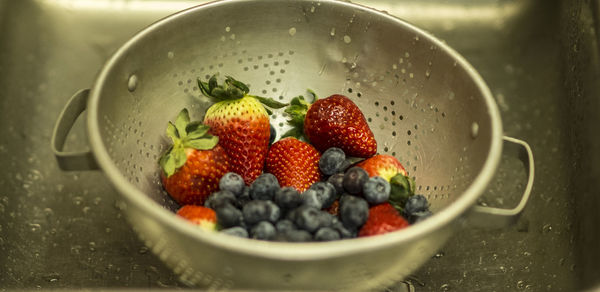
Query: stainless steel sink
[(540, 58)]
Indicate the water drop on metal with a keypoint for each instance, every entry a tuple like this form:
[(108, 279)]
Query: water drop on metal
[(347, 39), (170, 55), (292, 31), (474, 130), (132, 83)]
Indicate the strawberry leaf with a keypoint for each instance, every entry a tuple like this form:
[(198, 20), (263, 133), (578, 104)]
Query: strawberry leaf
[(402, 187), (181, 122), (172, 132), (205, 143), (242, 86), (196, 130), (167, 163), (178, 155), (270, 102)]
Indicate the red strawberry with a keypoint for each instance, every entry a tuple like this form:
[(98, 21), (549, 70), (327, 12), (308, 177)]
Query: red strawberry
[(334, 121), (294, 163), (383, 218), (204, 217), (391, 169), (242, 124), (193, 165)]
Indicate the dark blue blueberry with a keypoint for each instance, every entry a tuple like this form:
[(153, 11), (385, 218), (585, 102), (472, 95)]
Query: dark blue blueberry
[(344, 232), (419, 216), (307, 218), (260, 210), (264, 187), (332, 160), (220, 198), (287, 198), (232, 182), (325, 219), (337, 181), (285, 225), (327, 234), (414, 204), (244, 197), (354, 211), (376, 190), (274, 211), (236, 231), (326, 193), (272, 135), (295, 235), (228, 216), (311, 198), (264, 230), (354, 180)]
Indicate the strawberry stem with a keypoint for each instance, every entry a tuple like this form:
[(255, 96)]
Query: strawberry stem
[(232, 89)]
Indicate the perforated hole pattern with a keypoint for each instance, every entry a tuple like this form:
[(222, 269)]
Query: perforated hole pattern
[(425, 129)]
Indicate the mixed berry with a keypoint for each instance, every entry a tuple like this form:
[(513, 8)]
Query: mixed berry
[(230, 174)]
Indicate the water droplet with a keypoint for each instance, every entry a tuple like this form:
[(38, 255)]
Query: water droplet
[(427, 73), (520, 284), (132, 83), (439, 255), (474, 130), (143, 250), (92, 246), (547, 228), (445, 287), (312, 9), (228, 29), (332, 32), (35, 227), (416, 38), (406, 54), (170, 55), (347, 39), (411, 75), (292, 31)]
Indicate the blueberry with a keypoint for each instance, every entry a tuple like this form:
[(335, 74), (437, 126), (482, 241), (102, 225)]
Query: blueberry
[(376, 190), (244, 198), (264, 230), (272, 135), (311, 198), (228, 216), (332, 160), (326, 193), (354, 179), (414, 204), (343, 231), (220, 198), (307, 218), (285, 225), (287, 198), (264, 187), (354, 211), (325, 219), (337, 181), (327, 234), (259, 210), (236, 231), (295, 235), (419, 216), (232, 182)]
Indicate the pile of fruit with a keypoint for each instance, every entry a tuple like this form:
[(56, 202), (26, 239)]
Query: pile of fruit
[(323, 181)]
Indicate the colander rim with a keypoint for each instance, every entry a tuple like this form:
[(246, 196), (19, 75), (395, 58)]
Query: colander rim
[(295, 251)]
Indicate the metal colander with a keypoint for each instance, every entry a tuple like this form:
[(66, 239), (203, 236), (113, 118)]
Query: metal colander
[(424, 103)]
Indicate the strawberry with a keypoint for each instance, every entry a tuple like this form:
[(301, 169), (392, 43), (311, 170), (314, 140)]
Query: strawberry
[(389, 168), (383, 218), (242, 124), (204, 217), (193, 165), (334, 121), (294, 163)]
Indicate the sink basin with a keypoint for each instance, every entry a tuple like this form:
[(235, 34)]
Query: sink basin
[(539, 58)]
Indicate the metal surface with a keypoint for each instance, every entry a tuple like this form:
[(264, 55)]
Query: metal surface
[(62, 230), (411, 83)]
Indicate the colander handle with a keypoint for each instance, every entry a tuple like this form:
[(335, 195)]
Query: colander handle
[(499, 217), (82, 160)]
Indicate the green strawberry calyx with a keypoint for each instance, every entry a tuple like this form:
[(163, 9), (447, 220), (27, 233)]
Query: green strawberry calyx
[(297, 110), (232, 89), (402, 187), (184, 135)]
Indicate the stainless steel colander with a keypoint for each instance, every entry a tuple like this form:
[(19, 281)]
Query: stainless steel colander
[(425, 104)]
